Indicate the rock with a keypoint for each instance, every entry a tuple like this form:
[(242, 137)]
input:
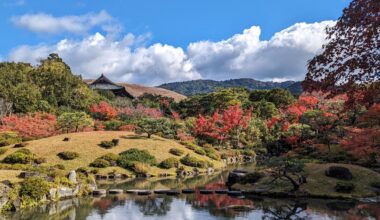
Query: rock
[(210, 171), (17, 203), (115, 191), (76, 190), (221, 191), (26, 174), (188, 191), (235, 176), (99, 192), (338, 172), (65, 192), (73, 176), (234, 193), (144, 192), (206, 191), (53, 193), (173, 192), (160, 191)]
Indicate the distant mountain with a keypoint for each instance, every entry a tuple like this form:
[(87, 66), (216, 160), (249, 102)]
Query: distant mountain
[(204, 86)]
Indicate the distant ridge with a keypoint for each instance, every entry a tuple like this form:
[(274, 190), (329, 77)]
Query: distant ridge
[(205, 86)]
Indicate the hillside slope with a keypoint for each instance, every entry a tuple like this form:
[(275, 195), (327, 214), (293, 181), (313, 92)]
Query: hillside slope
[(87, 145), (204, 86)]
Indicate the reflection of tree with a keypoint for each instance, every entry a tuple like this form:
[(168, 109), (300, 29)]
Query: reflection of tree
[(103, 205), (285, 211), (154, 206)]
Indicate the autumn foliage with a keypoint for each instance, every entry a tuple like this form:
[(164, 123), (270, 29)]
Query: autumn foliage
[(103, 111), (31, 126)]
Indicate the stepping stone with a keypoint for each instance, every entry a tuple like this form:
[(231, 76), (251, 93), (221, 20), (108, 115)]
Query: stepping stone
[(98, 192), (206, 191), (131, 191), (160, 191), (221, 191), (234, 193), (173, 192), (144, 192), (115, 191), (188, 191)]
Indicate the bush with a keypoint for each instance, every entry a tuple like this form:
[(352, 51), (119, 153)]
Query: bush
[(193, 162), (100, 163), (107, 144), (168, 163), (176, 151), (113, 125), (189, 145), (8, 138), (344, 187), (34, 188), (115, 142), (39, 160), (19, 145), (111, 158), (139, 168), (339, 172), (212, 153), (3, 150), (22, 156), (128, 157), (200, 151), (68, 155)]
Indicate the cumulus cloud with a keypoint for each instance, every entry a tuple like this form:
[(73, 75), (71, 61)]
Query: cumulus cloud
[(130, 59), (77, 24)]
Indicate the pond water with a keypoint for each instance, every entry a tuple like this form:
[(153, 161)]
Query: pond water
[(194, 206)]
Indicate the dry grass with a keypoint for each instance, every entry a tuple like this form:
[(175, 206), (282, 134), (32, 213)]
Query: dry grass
[(10, 175), (86, 144)]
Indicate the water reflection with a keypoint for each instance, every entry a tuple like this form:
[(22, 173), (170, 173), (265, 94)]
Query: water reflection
[(194, 206)]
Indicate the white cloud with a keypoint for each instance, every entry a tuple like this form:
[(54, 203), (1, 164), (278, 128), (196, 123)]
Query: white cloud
[(77, 24), (129, 59)]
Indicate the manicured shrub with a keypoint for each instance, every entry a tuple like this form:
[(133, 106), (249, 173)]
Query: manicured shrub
[(3, 150), (212, 153), (200, 151), (113, 125), (34, 188), (139, 168), (22, 156), (68, 155), (344, 187), (107, 144), (8, 138), (339, 172), (100, 163), (193, 162), (176, 151), (128, 157), (189, 145), (168, 163), (115, 142), (111, 158), (39, 160), (66, 139), (19, 145)]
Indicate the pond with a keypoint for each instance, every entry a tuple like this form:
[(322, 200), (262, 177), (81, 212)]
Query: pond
[(194, 206)]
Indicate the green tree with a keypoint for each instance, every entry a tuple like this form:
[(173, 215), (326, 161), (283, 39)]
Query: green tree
[(26, 97), (264, 109), (74, 121), (280, 97), (287, 169), (152, 126)]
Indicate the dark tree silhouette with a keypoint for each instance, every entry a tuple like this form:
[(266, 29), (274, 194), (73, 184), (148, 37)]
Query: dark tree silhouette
[(350, 61)]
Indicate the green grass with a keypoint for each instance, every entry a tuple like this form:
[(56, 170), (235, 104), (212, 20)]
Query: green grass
[(319, 185), (86, 144)]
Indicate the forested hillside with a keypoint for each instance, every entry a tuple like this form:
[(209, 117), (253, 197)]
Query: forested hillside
[(205, 86)]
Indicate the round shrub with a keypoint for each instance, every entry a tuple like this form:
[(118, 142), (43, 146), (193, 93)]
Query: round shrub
[(168, 163), (22, 156), (344, 187), (100, 163), (176, 151), (39, 160), (339, 172), (35, 188), (128, 157), (68, 155), (111, 158), (193, 162), (139, 168), (115, 142), (200, 151), (107, 144)]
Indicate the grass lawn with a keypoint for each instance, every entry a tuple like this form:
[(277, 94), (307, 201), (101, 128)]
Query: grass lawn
[(318, 184), (87, 145)]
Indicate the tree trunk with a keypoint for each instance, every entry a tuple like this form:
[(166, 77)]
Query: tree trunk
[(296, 185)]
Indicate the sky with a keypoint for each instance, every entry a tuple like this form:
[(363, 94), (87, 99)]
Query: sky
[(158, 41)]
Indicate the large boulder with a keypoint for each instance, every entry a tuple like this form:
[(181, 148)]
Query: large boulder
[(339, 172), (73, 176)]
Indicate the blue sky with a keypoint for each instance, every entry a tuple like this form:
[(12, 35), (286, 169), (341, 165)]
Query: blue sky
[(167, 22)]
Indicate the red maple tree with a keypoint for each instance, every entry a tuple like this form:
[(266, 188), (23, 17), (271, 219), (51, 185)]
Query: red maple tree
[(103, 111)]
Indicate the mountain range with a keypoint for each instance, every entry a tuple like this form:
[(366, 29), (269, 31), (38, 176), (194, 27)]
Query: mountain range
[(193, 87)]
